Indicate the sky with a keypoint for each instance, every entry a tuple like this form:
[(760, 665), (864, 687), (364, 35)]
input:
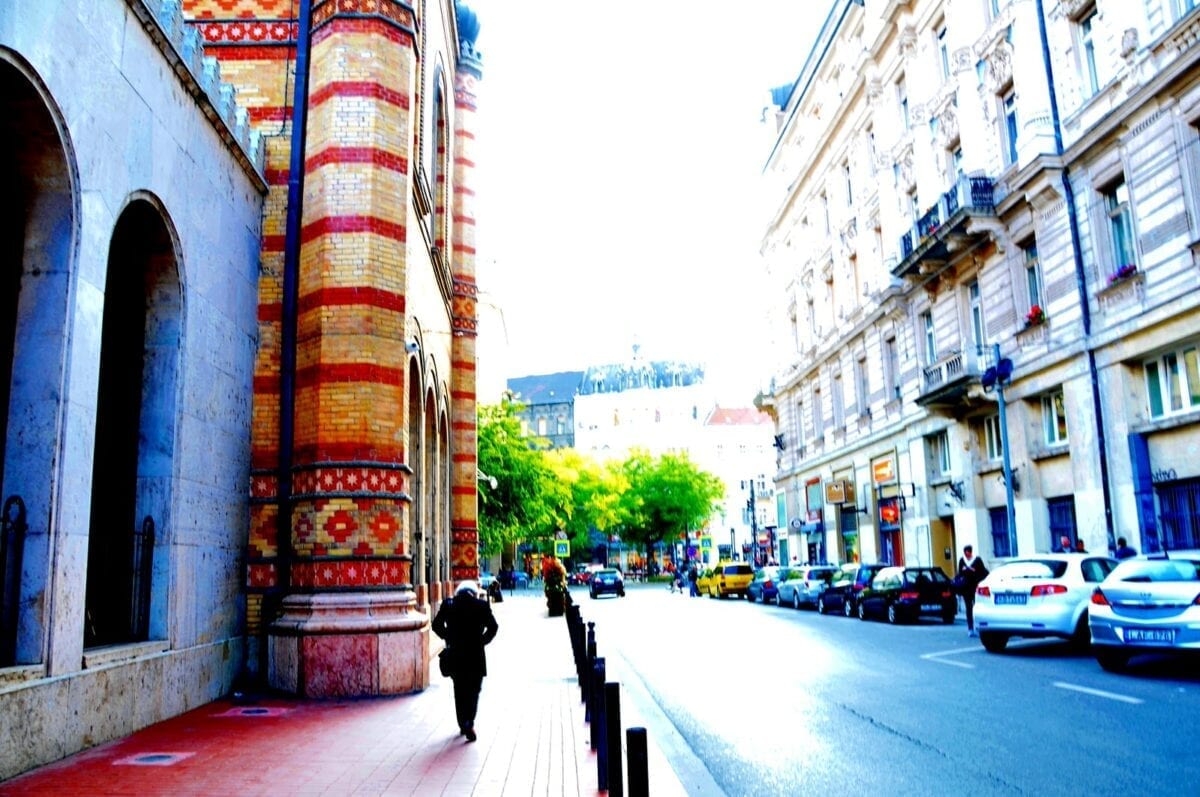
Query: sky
[(619, 150)]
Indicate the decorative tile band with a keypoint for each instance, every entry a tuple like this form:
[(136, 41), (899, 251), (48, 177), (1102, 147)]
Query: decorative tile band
[(397, 13), (351, 573), (242, 31)]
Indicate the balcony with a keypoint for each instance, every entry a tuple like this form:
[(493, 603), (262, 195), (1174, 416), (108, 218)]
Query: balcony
[(945, 228), (946, 384)]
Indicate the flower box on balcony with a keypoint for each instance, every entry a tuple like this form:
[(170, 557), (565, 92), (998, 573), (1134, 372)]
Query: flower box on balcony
[(1125, 286), (1035, 316)]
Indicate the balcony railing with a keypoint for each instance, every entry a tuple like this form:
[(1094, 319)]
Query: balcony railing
[(945, 382), (969, 196)]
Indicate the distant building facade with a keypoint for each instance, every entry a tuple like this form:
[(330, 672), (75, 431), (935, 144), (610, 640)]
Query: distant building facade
[(548, 405), (949, 181)]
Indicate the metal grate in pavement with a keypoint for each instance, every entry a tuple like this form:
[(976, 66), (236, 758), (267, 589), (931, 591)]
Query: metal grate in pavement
[(255, 711), (152, 759)]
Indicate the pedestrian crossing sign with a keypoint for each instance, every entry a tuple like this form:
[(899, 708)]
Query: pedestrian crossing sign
[(706, 544), (562, 548)]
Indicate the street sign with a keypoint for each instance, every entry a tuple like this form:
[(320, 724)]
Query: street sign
[(562, 548), (706, 544)]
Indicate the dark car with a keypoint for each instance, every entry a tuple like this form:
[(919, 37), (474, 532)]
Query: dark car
[(844, 588), (607, 581), (906, 594), (765, 586)]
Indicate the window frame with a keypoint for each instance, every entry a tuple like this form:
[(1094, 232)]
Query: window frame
[(1032, 264), (929, 337), (1009, 125), (1182, 382), (1085, 33), (993, 438), (1055, 429), (1118, 210), (939, 452)]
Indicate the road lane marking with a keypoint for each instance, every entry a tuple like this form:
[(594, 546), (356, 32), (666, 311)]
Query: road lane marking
[(1087, 690), (951, 662)]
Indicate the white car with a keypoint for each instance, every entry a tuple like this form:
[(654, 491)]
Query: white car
[(1045, 595), (1146, 606)]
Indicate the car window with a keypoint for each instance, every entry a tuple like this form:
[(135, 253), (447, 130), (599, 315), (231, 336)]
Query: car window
[(1157, 570), (1095, 570), (738, 570), (1032, 568)]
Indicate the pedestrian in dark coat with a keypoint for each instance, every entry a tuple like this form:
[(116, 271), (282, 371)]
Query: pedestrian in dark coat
[(971, 571), (467, 624)]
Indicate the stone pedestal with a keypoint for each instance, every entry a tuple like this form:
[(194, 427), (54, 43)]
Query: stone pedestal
[(349, 645)]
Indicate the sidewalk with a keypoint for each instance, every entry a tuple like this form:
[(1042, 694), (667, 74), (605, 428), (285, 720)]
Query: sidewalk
[(532, 737)]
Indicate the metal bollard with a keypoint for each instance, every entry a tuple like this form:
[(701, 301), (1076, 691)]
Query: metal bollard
[(600, 729), (612, 727), (595, 713), (639, 766), (588, 663)]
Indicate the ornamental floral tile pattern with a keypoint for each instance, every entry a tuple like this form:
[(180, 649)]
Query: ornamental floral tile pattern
[(350, 527)]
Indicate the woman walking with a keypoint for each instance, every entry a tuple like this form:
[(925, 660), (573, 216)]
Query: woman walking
[(467, 624)]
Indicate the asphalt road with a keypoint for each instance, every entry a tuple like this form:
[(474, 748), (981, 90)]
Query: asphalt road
[(747, 699)]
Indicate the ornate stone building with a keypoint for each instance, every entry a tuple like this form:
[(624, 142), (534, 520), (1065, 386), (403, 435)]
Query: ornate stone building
[(237, 342), (957, 177)]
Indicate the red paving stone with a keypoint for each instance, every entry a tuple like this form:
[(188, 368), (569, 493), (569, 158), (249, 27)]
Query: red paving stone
[(532, 738)]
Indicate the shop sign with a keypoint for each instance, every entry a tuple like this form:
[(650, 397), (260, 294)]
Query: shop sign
[(884, 470)]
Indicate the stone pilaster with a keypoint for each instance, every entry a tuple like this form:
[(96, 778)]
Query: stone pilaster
[(464, 520)]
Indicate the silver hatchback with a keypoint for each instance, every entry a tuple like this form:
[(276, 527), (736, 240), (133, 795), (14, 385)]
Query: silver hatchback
[(1145, 606)]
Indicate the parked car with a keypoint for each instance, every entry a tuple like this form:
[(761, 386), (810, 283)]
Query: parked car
[(1145, 606), (844, 588), (1039, 596), (765, 585), (607, 581), (725, 579), (906, 594), (514, 578), (805, 585)]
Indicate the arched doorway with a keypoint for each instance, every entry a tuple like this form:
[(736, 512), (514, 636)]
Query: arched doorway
[(37, 246), (430, 491), (417, 491), (135, 430)]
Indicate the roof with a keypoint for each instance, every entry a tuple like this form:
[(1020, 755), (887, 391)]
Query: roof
[(738, 416), (615, 378), (556, 388)]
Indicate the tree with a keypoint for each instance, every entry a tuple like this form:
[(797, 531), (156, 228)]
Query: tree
[(524, 501), (667, 496), (593, 496)]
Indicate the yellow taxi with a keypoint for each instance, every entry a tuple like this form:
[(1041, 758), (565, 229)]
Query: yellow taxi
[(724, 579)]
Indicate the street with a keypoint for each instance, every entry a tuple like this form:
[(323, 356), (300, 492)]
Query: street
[(771, 700)]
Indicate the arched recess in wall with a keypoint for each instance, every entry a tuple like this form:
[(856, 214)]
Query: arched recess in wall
[(432, 489), (136, 407), (416, 462), (445, 506), (440, 165), (38, 244)]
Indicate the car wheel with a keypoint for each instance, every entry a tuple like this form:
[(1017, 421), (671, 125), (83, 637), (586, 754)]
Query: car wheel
[(993, 642), (821, 605), (892, 617), (750, 597), (847, 607), (1082, 636), (862, 611), (796, 599), (778, 599), (1112, 660), (592, 594)]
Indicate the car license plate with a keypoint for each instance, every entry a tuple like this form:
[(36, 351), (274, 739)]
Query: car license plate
[(931, 607), (1011, 599), (1160, 635)]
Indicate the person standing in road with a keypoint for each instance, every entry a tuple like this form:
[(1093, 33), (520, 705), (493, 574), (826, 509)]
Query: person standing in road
[(693, 577), (467, 624), (971, 571), (1124, 549)]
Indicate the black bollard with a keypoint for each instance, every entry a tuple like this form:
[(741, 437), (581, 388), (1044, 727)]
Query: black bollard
[(600, 728), (588, 663), (612, 727), (595, 707), (639, 765)]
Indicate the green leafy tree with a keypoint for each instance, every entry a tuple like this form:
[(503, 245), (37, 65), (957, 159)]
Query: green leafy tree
[(525, 501), (592, 492), (667, 496)]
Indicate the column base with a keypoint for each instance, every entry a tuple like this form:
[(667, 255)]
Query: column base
[(353, 644)]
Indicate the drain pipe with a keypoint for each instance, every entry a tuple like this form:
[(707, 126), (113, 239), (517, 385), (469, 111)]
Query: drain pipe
[(1080, 278), (290, 300)]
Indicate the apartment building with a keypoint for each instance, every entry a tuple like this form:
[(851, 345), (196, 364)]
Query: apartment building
[(961, 180)]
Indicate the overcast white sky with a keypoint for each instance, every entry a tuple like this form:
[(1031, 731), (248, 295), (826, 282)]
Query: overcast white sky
[(619, 148)]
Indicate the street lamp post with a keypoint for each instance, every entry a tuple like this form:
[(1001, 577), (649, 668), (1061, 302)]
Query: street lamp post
[(997, 376)]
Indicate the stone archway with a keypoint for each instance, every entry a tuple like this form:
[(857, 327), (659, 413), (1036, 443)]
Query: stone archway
[(416, 490), (37, 252), (135, 429)]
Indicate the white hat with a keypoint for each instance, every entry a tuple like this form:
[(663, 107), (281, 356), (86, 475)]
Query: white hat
[(467, 586)]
